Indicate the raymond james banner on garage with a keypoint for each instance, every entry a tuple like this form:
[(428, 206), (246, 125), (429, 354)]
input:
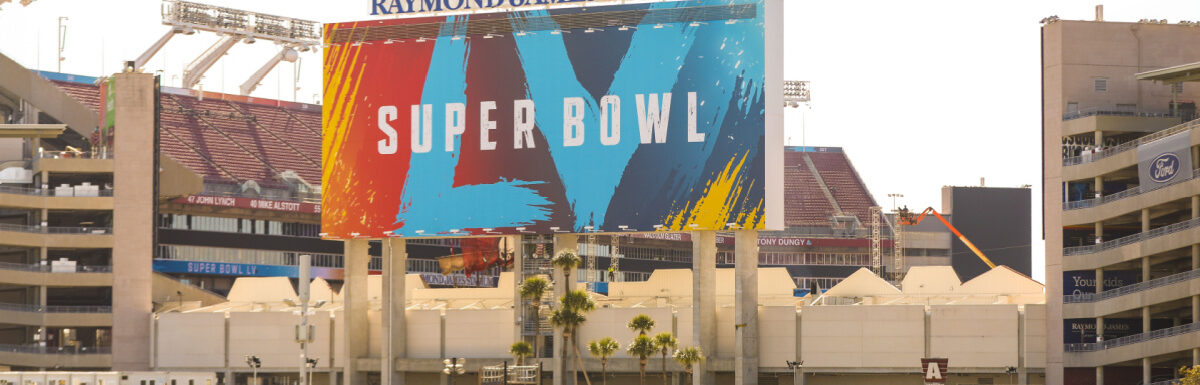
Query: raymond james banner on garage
[(1165, 161)]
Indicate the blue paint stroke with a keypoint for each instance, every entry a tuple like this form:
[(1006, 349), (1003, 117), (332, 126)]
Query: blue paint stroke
[(430, 202)]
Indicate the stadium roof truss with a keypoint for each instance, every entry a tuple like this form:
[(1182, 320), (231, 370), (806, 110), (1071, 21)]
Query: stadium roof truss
[(233, 25)]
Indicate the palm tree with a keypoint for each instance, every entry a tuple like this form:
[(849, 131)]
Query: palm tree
[(665, 342), (533, 289), (603, 349), (688, 357), (642, 347), (567, 261), (520, 350), (568, 317), (641, 323)]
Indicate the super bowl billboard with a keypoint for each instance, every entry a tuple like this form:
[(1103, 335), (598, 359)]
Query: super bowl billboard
[(640, 117)]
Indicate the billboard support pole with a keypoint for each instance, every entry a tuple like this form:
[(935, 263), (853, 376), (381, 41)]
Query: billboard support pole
[(745, 305), (355, 310), (395, 259), (704, 304)]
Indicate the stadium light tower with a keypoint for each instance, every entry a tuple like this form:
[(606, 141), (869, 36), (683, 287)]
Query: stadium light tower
[(796, 92), (233, 25)]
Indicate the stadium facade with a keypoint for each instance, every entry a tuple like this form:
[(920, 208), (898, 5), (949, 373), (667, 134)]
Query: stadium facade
[(1121, 200)]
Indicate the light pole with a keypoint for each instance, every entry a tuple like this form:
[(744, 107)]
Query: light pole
[(454, 367), (304, 331), (894, 196), (254, 363), (797, 368)]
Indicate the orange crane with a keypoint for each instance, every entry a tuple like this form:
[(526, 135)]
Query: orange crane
[(906, 218)]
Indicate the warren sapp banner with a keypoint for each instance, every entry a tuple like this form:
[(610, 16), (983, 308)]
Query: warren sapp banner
[(623, 118)]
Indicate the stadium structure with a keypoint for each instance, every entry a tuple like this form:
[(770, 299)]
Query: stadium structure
[(1121, 199)]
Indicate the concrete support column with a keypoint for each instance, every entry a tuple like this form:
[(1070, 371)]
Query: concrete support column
[(1195, 206), (1145, 269), (395, 262), (1195, 356), (1195, 256), (1099, 232), (1146, 370), (135, 205), (561, 286), (1146, 320), (704, 303), (1145, 220), (355, 310), (745, 304), (1099, 135), (1195, 308), (518, 269), (1100, 375), (1099, 182), (1099, 328), (1099, 280)]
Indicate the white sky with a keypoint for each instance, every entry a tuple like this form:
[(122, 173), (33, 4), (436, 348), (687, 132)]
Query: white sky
[(921, 94)]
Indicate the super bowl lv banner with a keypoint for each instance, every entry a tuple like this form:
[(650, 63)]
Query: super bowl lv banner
[(622, 118)]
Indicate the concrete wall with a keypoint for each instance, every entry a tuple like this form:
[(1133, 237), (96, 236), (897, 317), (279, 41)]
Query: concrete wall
[(190, 340), (479, 333), (863, 336), (1035, 336), (270, 336), (776, 335), (974, 335), (424, 334), (612, 322)]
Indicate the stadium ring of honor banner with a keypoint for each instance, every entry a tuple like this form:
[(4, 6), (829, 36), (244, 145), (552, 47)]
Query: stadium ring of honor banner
[(663, 116)]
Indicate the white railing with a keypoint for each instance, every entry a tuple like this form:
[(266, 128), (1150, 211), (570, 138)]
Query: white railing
[(1074, 160), (1134, 191), (55, 230), (1133, 339), (1130, 239)]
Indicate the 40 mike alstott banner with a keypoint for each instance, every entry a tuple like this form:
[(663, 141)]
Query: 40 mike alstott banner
[(625, 118)]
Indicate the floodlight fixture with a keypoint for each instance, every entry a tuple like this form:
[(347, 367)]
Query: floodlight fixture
[(796, 92)]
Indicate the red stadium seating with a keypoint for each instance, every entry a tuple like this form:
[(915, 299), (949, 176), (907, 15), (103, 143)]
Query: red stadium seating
[(231, 141)]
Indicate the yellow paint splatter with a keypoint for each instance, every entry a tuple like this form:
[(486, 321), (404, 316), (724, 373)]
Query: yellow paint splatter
[(716, 207)]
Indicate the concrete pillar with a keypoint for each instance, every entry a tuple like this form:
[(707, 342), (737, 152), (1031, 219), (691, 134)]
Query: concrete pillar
[(1146, 370), (1146, 320), (518, 246), (1195, 356), (1195, 308), (1195, 256), (1195, 206), (1099, 135), (1099, 182), (745, 307), (561, 352), (1099, 328), (134, 208), (1145, 220), (1099, 280), (704, 303), (1145, 269), (1100, 375), (1099, 232), (355, 308), (395, 263)]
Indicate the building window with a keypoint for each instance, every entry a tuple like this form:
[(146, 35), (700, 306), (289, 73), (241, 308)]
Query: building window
[(1100, 84)]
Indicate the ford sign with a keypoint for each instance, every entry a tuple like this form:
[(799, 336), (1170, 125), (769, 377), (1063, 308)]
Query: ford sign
[(1164, 167)]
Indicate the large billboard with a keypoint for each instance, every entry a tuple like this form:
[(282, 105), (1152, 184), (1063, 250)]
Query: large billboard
[(622, 118)]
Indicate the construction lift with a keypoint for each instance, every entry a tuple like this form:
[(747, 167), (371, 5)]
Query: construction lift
[(907, 218)]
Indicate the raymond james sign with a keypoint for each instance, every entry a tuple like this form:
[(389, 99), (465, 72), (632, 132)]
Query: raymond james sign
[(1165, 161)]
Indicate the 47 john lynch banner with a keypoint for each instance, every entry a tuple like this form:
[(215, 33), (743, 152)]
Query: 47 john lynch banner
[(623, 118)]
